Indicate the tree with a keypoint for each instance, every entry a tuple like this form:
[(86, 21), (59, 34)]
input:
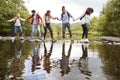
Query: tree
[(111, 23), (8, 9), (108, 23), (113, 17)]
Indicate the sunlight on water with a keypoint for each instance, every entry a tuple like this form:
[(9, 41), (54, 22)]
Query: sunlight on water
[(57, 60)]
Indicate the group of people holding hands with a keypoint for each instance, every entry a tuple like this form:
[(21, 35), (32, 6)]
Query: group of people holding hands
[(65, 18)]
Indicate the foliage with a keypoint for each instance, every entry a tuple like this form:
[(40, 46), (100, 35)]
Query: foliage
[(112, 13), (8, 9), (109, 21)]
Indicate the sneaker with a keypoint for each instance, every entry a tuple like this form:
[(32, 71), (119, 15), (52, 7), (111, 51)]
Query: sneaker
[(86, 40), (85, 45), (13, 39), (82, 40), (22, 41), (22, 38)]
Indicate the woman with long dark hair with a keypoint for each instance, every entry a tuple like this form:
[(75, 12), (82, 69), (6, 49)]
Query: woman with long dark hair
[(47, 20), (85, 23)]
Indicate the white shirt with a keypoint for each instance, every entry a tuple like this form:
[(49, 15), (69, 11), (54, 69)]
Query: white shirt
[(34, 20), (17, 21), (47, 19), (85, 19)]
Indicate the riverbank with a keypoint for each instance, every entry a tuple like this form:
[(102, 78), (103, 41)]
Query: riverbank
[(110, 38)]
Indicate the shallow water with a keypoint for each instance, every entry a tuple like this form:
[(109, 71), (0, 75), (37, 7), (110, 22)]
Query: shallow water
[(98, 60)]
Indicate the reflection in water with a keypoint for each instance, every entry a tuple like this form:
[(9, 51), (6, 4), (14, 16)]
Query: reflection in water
[(15, 64), (18, 48), (110, 56), (64, 62), (34, 65), (104, 61), (36, 56), (47, 55), (83, 62)]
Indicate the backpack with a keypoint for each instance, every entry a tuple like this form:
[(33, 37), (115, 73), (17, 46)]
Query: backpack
[(82, 17), (67, 14)]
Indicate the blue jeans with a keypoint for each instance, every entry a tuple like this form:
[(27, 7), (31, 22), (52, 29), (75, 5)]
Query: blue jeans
[(18, 48), (35, 50), (33, 29), (16, 28)]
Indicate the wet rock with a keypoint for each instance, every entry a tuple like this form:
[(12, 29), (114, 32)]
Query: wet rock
[(110, 38), (97, 42), (116, 43)]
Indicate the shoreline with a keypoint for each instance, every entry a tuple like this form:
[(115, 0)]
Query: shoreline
[(109, 38)]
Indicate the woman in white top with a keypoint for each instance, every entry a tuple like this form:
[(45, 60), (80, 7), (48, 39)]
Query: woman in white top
[(17, 19), (85, 23), (47, 17)]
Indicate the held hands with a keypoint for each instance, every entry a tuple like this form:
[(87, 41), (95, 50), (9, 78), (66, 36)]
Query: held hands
[(74, 19), (57, 18)]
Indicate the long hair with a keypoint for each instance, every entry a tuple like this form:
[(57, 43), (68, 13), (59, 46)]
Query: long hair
[(47, 13), (89, 11), (63, 9)]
